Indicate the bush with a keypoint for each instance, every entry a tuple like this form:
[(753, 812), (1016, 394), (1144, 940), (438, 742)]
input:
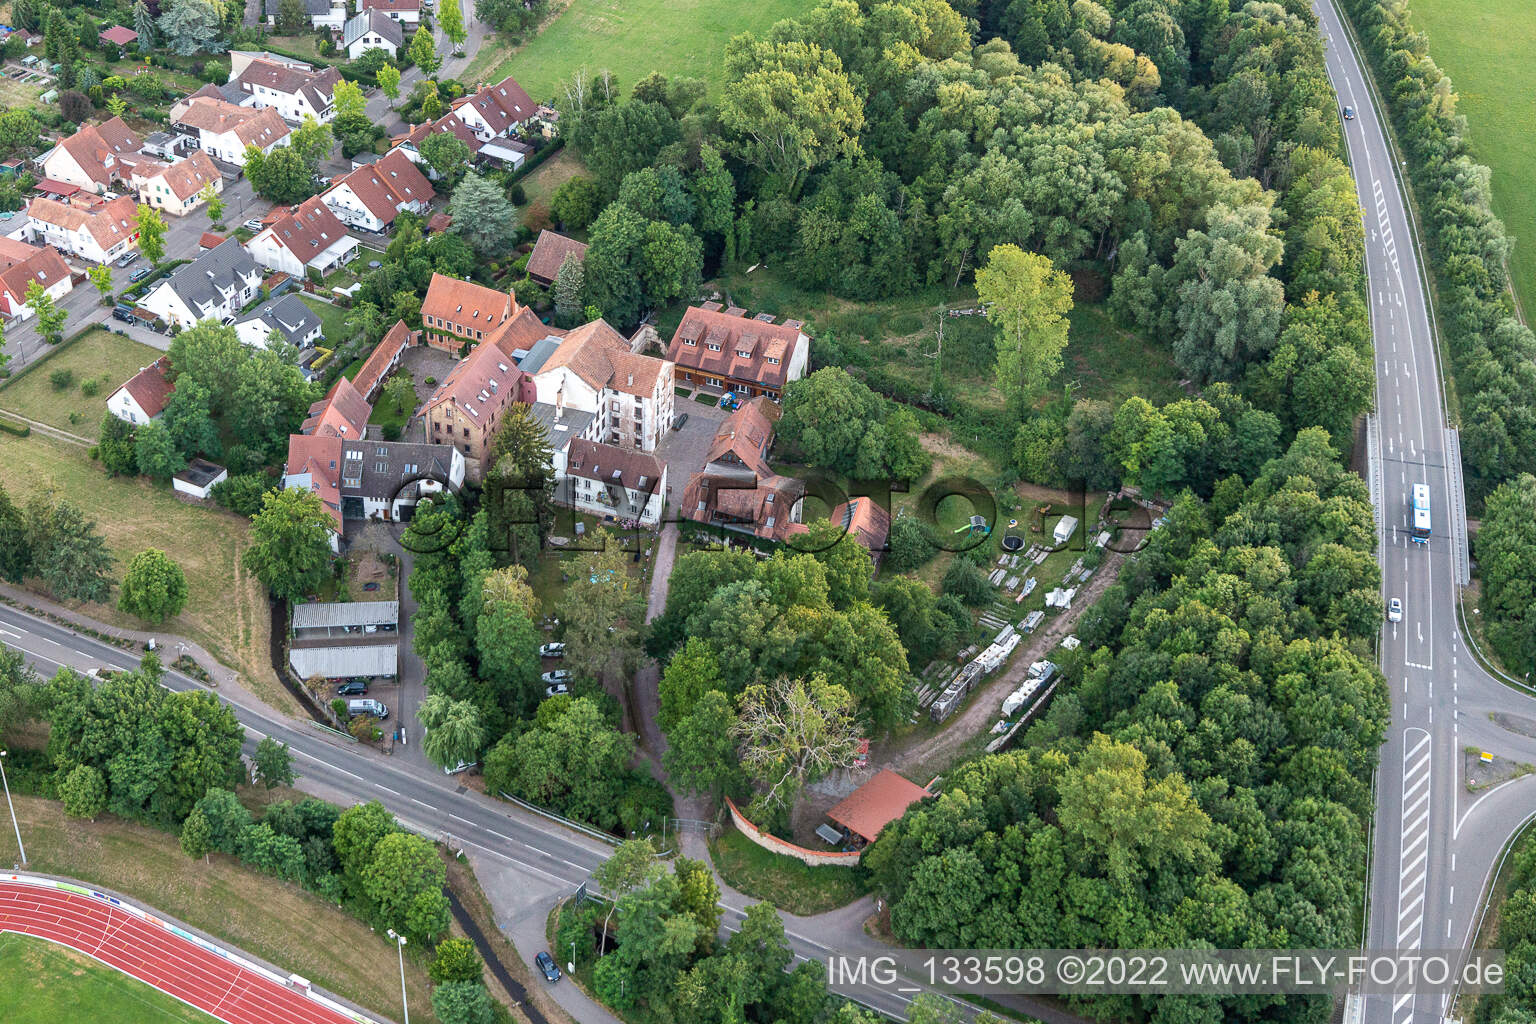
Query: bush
[(61, 379), (518, 196), (90, 388), (12, 427), (964, 580)]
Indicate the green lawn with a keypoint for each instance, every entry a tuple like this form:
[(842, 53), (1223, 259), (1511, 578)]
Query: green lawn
[(42, 983), (331, 320), (1107, 362), (1485, 46), (101, 358), (226, 609), (632, 38), (387, 414), (14, 94), (783, 881)]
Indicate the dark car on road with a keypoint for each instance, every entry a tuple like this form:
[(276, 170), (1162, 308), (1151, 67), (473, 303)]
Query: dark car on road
[(140, 274), (547, 967), (352, 688), (1349, 113)]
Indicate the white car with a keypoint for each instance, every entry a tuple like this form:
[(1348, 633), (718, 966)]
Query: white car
[(552, 651), (556, 689), (559, 675), (1394, 610), (252, 225)]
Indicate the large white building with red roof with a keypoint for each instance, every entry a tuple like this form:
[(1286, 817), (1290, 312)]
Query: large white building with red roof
[(308, 237), (730, 351), (372, 196), (292, 88), (225, 129), (97, 231), (592, 370), (95, 156), (495, 111), (143, 398), (22, 264)]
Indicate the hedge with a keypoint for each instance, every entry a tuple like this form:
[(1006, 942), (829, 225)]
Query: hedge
[(15, 428)]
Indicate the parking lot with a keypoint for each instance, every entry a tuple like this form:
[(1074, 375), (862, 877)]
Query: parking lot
[(684, 449)]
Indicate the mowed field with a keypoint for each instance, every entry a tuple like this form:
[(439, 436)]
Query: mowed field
[(42, 983), (1486, 47), (101, 358), (226, 608), (632, 38)]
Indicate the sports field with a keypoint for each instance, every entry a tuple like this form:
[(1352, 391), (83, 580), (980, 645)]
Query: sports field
[(1486, 47), (42, 983), (632, 38)]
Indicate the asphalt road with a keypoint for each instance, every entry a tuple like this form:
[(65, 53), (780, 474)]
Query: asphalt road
[(1435, 841)]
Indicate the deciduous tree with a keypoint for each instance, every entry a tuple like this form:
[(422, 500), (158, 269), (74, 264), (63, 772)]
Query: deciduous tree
[(154, 587), (290, 548), (1027, 302)]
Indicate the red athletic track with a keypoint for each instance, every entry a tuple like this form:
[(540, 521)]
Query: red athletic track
[(157, 957)]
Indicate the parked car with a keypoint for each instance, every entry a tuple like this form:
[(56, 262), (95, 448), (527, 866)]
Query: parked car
[(556, 690), (462, 766), (1395, 610), (128, 258), (252, 225), (352, 688), (559, 675), (677, 424), (547, 967), (552, 651), (140, 274), (368, 706), (1349, 113)]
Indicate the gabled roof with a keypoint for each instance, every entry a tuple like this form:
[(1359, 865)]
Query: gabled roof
[(117, 35), (202, 282), (252, 126), (313, 8), (702, 328), (307, 231), (865, 521), (501, 105), (317, 87), (108, 223), (150, 387), (375, 21), (450, 123), (549, 254), (43, 265), (317, 458), (342, 413), (876, 804), (93, 144), (465, 302), (209, 239), (390, 5), (286, 314), (483, 383), (381, 359), (745, 436), (599, 356), (187, 176), (388, 184), (610, 464), (759, 505)]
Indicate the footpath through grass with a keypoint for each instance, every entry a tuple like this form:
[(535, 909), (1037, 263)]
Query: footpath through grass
[(275, 921), (42, 983), (783, 881), (1486, 46), (632, 38)]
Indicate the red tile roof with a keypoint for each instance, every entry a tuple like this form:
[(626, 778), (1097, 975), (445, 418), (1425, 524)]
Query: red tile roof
[(45, 266), (864, 520), (598, 355), (549, 254), (381, 359), (464, 302), (501, 105), (210, 240), (342, 413), (606, 463), (186, 177), (118, 35), (109, 223), (483, 383), (746, 434), (387, 185), (93, 144), (151, 388), (876, 804), (320, 457), (308, 230), (390, 5), (252, 126), (449, 123), (713, 341)]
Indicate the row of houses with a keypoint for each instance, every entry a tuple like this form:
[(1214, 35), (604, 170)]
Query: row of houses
[(332, 14)]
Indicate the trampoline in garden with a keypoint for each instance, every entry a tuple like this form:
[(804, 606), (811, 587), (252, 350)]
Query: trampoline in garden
[(1011, 540)]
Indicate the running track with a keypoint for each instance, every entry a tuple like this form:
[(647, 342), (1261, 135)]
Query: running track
[(157, 956)]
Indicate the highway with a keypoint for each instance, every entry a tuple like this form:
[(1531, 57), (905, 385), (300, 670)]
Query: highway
[(1435, 841)]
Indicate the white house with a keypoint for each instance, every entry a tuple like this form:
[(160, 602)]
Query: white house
[(372, 30), (177, 188), (310, 237), (322, 14), (592, 370), (287, 314), (406, 12), (215, 286), (224, 129), (143, 398), (94, 157), (608, 481), (496, 110), (410, 142), (371, 196), (20, 265), (293, 89), (100, 233)]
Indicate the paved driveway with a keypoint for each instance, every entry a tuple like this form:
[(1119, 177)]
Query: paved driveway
[(684, 449)]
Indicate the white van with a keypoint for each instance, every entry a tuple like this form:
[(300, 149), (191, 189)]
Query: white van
[(368, 706)]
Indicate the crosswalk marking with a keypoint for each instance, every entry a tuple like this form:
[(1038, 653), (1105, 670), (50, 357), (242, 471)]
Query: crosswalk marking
[(1412, 855)]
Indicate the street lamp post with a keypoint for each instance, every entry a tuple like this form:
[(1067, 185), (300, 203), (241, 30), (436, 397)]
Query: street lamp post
[(14, 823), (400, 949)]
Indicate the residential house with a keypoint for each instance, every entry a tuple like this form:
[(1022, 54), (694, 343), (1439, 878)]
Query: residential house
[(613, 483), (456, 313), (178, 188), (94, 157), (468, 405), (549, 254), (371, 196), (293, 89), (144, 397), (215, 286), (309, 239), (295, 323), (100, 232), (117, 36), (593, 370), (357, 477), (22, 264), (737, 490), (225, 129), (495, 111), (729, 351), (410, 142), (561, 427), (384, 358), (322, 14), (865, 520), (372, 30), (406, 12)]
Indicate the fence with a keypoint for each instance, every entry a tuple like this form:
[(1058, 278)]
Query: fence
[(773, 844), (567, 822)]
